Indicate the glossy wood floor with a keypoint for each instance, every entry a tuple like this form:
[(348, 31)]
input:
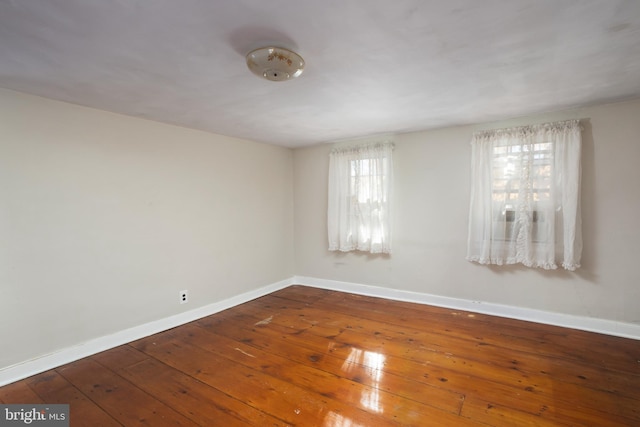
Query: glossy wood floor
[(310, 357)]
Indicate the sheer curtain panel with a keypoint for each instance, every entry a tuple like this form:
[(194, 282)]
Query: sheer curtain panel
[(360, 179), (525, 196)]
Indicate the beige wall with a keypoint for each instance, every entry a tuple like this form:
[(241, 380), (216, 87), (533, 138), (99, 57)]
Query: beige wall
[(105, 218), (430, 222)]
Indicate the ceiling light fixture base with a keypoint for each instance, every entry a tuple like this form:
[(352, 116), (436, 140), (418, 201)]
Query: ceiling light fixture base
[(276, 64)]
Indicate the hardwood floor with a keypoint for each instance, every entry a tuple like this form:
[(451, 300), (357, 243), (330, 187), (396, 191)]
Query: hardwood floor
[(309, 357)]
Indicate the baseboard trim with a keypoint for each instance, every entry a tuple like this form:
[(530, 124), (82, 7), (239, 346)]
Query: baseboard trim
[(602, 326), (35, 366)]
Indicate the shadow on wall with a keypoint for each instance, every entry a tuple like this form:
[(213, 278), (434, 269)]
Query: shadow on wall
[(339, 256), (557, 274), (588, 204)]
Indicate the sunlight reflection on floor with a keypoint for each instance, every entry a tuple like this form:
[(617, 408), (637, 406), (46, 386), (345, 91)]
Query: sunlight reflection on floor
[(373, 363)]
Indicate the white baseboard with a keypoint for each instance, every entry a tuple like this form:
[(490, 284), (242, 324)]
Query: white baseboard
[(44, 363), (41, 364), (602, 326)]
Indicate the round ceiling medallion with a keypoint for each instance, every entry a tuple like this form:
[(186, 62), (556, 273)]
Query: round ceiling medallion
[(275, 63)]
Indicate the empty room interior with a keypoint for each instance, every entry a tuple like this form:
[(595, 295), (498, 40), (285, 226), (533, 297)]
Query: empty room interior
[(339, 214)]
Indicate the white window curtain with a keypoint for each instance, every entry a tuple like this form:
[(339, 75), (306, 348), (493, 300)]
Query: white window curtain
[(360, 180), (525, 196)]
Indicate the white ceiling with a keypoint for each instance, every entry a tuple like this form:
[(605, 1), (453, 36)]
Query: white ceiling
[(373, 66)]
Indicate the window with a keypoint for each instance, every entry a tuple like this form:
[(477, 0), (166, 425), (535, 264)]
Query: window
[(525, 196), (359, 198), (508, 183)]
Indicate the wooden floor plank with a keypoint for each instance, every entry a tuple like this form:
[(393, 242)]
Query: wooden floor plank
[(51, 387), (343, 336), (19, 392), (356, 368), (292, 403), (528, 401), (370, 384), (258, 391), (548, 340), (508, 360), (304, 356), (195, 400), (123, 400)]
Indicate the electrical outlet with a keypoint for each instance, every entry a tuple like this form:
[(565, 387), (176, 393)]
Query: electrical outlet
[(184, 297)]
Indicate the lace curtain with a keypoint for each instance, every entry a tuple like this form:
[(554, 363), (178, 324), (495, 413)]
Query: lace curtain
[(525, 196), (360, 179)]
